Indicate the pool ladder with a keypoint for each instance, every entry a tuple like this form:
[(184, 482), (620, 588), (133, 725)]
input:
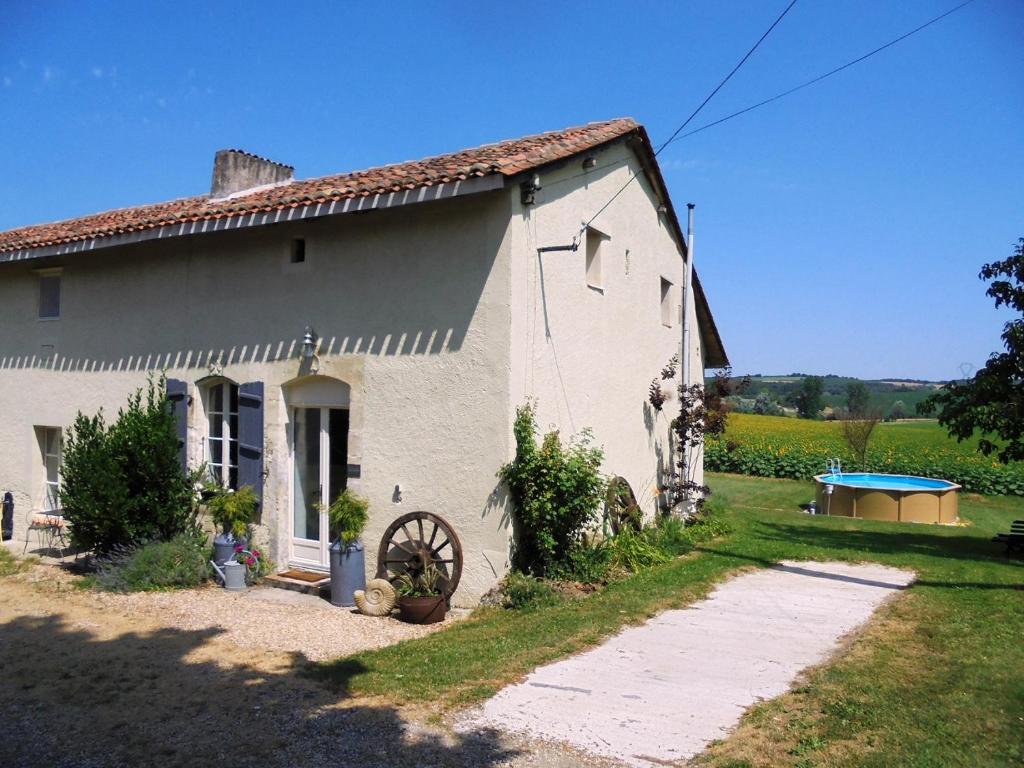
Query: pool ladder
[(834, 467)]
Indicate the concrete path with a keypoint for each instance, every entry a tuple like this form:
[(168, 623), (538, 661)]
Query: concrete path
[(659, 693)]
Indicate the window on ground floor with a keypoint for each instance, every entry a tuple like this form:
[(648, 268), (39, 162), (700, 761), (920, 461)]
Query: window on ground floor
[(50, 449), (222, 433)]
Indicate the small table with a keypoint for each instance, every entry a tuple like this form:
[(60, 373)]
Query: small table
[(49, 526)]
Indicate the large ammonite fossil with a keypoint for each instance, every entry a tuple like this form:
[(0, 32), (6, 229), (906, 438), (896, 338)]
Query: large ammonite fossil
[(377, 599)]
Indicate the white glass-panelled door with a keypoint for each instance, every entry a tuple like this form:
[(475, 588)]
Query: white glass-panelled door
[(320, 473)]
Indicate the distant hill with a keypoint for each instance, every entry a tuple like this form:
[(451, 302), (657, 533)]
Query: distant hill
[(885, 393)]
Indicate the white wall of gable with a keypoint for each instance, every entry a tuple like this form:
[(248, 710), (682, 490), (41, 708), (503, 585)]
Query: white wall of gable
[(588, 355)]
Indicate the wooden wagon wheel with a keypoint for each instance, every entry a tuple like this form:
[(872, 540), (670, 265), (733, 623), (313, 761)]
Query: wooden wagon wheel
[(415, 540), (620, 506)]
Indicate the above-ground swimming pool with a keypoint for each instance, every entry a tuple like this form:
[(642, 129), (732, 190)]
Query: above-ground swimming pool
[(902, 498)]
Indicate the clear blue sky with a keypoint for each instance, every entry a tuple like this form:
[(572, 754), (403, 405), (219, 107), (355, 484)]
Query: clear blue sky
[(839, 230)]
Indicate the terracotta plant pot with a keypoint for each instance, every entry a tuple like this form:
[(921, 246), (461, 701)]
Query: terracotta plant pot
[(421, 610)]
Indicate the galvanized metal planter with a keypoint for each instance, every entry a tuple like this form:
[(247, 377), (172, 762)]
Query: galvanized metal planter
[(348, 572), (224, 547)]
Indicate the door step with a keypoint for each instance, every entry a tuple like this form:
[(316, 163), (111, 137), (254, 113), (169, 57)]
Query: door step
[(297, 580)]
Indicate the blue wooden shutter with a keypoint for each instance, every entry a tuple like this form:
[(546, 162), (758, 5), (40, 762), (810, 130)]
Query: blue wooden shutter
[(8, 516), (177, 393), (250, 436)]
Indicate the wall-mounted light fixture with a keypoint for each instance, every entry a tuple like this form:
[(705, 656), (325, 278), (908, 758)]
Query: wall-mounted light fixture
[(528, 190), (589, 162), (309, 340)]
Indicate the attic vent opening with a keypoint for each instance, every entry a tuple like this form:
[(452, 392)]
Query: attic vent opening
[(298, 252)]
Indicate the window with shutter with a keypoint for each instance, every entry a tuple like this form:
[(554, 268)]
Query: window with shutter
[(50, 448), (177, 394), (221, 400), (250, 436)]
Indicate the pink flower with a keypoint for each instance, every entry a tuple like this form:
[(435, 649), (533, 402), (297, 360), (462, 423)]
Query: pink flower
[(255, 553), (239, 548), (251, 561)]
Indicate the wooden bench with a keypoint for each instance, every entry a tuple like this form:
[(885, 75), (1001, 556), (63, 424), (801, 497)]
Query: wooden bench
[(1014, 540)]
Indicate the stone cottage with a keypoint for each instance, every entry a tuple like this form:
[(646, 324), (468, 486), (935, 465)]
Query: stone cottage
[(374, 329)]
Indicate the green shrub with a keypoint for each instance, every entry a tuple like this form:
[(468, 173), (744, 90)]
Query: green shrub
[(521, 590), (233, 511), (556, 490), (707, 528), (124, 484), (178, 563), (348, 515), (634, 551), (670, 534), (586, 563)]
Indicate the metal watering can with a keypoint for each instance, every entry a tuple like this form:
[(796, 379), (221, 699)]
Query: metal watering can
[(232, 574)]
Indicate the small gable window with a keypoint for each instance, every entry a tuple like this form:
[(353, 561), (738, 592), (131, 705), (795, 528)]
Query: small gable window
[(595, 240), (49, 294), (666, 303)]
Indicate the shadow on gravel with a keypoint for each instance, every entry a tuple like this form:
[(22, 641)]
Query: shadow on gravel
[(69, 698)]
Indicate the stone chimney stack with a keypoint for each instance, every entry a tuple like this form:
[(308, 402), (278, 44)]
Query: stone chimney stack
[(237, 171)]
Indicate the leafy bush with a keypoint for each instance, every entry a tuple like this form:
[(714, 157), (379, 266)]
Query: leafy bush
[(634, 551), (233, 511), (670, 534), (348, 515), (706, 529), (178, 563), (586, 563), (556, 490), (521, 590), (124, 484)]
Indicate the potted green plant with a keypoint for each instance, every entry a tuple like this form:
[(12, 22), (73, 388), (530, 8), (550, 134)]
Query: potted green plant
[(347, 516), (233, 512), (420, 599)]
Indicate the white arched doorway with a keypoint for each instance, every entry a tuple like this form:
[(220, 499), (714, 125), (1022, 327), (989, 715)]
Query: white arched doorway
[(318, 426)]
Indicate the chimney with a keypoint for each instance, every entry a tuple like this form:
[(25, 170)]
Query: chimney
[(237, 171)]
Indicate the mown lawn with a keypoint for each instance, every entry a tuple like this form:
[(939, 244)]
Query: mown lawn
[(936, 680)]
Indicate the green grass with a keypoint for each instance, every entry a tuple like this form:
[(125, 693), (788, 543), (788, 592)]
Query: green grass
[(10, 565), (937, 679)]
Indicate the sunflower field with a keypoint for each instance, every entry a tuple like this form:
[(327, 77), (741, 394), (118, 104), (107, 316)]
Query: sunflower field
[(777, 446)]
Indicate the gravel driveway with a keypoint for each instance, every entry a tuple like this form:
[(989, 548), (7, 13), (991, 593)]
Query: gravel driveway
[(203, 677)]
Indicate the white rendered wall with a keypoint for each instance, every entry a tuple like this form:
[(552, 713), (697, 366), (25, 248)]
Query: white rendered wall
[(412, 308), (586, 355)]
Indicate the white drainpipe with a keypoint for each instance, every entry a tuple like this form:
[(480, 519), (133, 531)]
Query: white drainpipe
[(687, 303)]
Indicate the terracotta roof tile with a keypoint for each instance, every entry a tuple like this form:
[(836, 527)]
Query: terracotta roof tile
[(506, 157)]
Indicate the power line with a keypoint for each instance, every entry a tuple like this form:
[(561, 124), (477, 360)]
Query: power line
[(818, 79), (695, 112)]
